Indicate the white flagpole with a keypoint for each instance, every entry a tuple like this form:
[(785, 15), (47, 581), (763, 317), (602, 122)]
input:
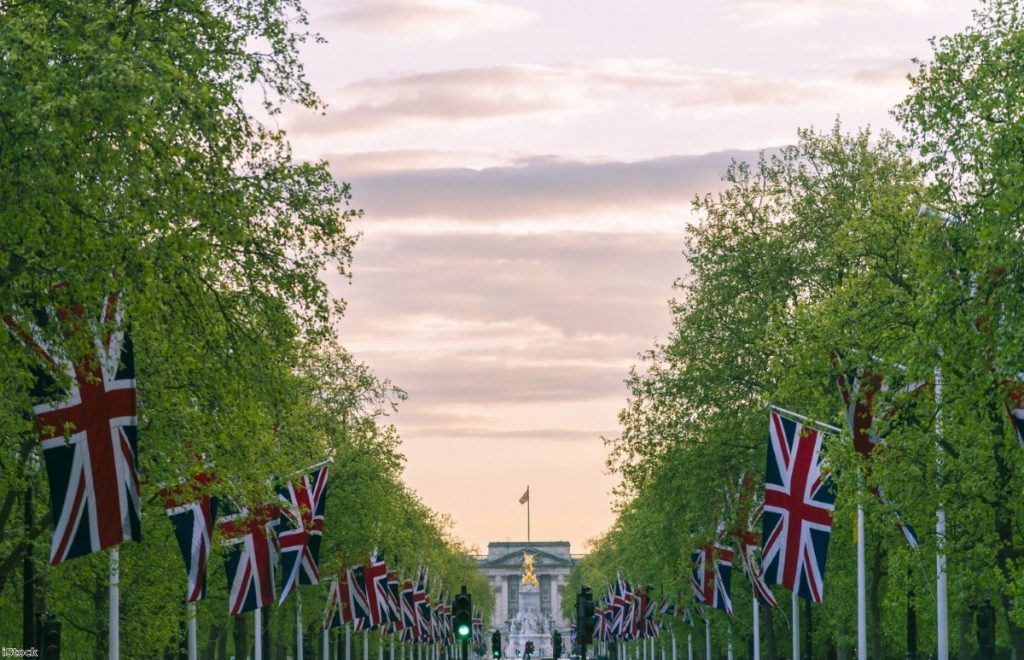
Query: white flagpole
[(673, 645), (862, 606), (193, 648), (757, 629), (366, 645), (327, 644), (689, 646), (707, 636), (348, 643), (796, 627), (258, 638), (392, 656), (941, 587), (298, 626), (729, 647), (114, 627)]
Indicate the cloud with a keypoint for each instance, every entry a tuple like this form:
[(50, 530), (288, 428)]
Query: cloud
[(429, 19), (534, 187), (561, 91), (766, 13)]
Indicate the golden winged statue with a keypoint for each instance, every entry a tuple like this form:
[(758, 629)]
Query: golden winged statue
[(528, 576)]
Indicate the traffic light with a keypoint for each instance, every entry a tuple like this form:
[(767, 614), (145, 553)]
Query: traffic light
[(51, 638), (529, 649), (462, 615), (585, 616), (496, 644), (556, 645)]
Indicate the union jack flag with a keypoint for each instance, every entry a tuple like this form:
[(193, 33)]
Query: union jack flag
[(88, 432), (394, 603), (422, 607), (250, 560), (798, 504), (620, 601), (338, 612), (407, 607), (712, 573), (358, 601), (857, 392), (192, 513), (376, 579), (300, 530), (1016, 407), (572, 636), (478, 629), (750, 548)]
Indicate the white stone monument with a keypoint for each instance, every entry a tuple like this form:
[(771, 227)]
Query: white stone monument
[(528, 625)]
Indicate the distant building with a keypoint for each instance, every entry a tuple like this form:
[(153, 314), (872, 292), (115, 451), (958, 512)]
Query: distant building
[(503, 566)]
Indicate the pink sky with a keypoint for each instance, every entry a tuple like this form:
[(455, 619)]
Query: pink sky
[(526, 170)]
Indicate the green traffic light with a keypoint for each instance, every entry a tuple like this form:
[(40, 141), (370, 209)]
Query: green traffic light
[(463, 631), (497, 654)]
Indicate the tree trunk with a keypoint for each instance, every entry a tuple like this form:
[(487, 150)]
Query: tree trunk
[(241, 637), (874, 603), (965, 634), (211, 641), (1009, 554), (768, 627)]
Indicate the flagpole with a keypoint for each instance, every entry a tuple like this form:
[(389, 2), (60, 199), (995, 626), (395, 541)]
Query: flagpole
[(729, 648), (689, 646), (114, 625), (862, 609), (193, 650), (803, 418), (796, 627), (673, 645), (298, 625), (757, 629), (326, 654), (941, 586), (258, 637), (707, 635), (527, 513)]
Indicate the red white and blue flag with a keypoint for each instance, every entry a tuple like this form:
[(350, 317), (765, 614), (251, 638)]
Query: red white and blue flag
[(250, 561), (338, 612), (395, 603), (358, 603), (410, 631), (857, 392), (712, 574), (421, 607), (375, 575), (300, 530), (88, 432), (192, 512), (798, 504)]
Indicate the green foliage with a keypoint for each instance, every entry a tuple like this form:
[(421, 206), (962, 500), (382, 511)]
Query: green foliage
[(131, 163), (823, 247)]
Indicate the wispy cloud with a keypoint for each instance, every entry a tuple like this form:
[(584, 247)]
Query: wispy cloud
[(764, 13), (429, 19), (568, 89), (534, 187)]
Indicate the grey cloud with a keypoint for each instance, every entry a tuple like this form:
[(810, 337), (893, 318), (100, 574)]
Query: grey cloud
[(442, 19), (539, 187), (518, 89)]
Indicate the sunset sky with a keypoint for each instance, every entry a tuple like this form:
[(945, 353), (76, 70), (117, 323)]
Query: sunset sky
[(526, 170)]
